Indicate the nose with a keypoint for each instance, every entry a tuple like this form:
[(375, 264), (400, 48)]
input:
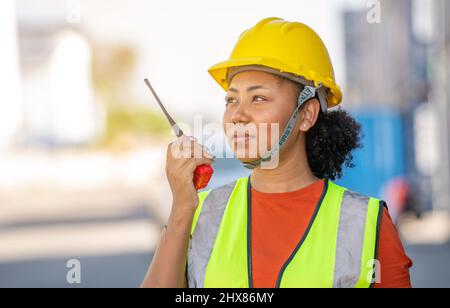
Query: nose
[(241, 115)]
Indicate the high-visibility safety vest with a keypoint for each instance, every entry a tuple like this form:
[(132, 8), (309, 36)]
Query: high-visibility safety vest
[(338, 249)]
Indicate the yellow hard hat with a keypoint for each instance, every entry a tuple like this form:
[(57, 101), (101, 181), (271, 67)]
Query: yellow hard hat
[(289, 47)]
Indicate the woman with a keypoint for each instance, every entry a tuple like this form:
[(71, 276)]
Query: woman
[(287, 224)]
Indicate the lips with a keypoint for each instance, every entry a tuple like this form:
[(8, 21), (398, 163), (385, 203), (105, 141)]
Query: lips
[(241, 138), (246, 135)]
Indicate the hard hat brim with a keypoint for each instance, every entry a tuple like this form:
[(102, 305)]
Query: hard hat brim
[(219, 73)]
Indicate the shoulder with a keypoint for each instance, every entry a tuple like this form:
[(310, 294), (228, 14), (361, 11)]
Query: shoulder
[(395, 263), (352, 196), (349, 193)]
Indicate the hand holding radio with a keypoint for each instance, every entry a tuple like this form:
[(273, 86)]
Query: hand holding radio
[(181, 165)]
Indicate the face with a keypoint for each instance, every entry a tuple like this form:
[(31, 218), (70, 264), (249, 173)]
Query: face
[(258, 107)]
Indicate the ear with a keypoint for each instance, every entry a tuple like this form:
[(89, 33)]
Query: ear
[(309, 114)]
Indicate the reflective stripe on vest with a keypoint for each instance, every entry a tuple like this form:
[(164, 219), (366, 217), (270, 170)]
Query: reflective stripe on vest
[(338, 248)]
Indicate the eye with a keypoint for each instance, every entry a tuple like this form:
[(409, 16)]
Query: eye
[(259, 99), (230, 100)]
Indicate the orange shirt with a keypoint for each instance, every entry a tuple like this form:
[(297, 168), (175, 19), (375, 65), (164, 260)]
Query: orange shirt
[(279, 220)]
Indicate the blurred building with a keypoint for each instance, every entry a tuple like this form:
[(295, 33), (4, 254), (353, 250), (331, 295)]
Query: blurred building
[(59, 106), (47, 96), (10, 94), (402, 64), (439, 64), (384, 63)]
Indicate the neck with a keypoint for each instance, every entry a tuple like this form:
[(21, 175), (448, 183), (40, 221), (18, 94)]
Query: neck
[(292, 173)]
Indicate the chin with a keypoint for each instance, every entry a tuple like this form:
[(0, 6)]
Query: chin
[(247, 159)]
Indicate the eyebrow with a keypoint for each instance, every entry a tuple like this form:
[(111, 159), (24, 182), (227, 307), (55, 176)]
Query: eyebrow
[(249, 89)]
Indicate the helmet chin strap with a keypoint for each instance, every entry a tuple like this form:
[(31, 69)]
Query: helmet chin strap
[(307, 94)]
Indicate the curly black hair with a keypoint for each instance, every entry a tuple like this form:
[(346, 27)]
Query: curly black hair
[(330, 143)]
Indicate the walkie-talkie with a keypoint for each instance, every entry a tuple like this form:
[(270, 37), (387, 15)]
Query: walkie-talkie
[(202, 173)]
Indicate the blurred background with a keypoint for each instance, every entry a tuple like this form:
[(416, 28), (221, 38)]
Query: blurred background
[(82, 142)]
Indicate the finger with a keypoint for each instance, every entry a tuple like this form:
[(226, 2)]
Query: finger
[(182, 148), (188, 147), (200, 151), (196, 150), (176, 154), (184, 138)]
